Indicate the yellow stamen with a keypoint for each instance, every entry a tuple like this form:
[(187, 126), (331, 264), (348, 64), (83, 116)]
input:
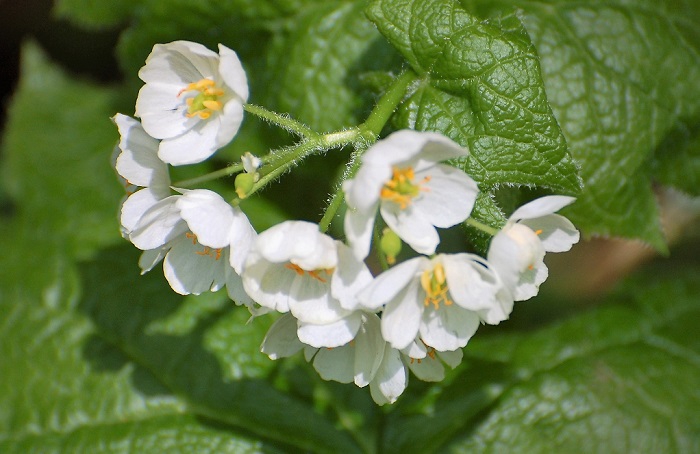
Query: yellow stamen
[(401, 189), (206, 101), (315, 274), (216, 253), (435, 286)]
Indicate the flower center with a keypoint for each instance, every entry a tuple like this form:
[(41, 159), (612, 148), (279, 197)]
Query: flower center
[(435, 285), (216, 253), (205, 101), (401, 189), (315, 274)]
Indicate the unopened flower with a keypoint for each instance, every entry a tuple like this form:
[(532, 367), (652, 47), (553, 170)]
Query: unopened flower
[(517, 251), (403, 177), (203, 240), (192, 100), (441, 300), (294, 267)]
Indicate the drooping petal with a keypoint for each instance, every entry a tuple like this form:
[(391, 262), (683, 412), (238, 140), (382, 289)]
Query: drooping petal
[(310, 301), (428, 369), (136, 205), (281, 339), (401, 318), (530, 280), (149, 259), (410, 225), (234, 287), (541, 207), (267, 283), (300, 243), (336, 364), (451, 358), (471, 283), (138, 161), (556, 232), (194, 145), (350, 277), (391, 378), (242, 237), (358, 229), (158, 225), (330, 335), (162, 111), (191, 269), (229, 122), (369, 350), (449, 327), (362, 192), (208, 216)]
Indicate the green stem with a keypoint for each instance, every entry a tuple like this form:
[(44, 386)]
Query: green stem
[(284, 121), (230, 170), (387, 104), (481, 226)]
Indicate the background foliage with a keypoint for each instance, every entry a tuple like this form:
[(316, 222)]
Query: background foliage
[(597, 99)]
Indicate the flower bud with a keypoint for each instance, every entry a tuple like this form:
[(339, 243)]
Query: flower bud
[(390, 245), (244, 184)]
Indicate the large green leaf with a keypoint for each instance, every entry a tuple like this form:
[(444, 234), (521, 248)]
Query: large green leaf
[(621, 76), (480, 84)]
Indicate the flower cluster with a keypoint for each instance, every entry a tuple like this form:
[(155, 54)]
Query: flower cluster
[(353, 324)]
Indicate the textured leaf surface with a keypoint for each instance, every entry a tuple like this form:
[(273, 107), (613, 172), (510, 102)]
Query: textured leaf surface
[(480, 85), (621, 76)]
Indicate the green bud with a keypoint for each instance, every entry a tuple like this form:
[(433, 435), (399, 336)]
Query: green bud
[(390, 245), (244, 183)]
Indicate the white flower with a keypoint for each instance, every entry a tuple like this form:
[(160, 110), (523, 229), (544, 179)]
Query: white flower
[(203, 240), (441, 300), (367, 360), (138, 164), (403, 178), (192, 100), (517, 251), (250, 162), (294, 267)]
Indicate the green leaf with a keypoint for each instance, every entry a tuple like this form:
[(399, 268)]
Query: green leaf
[(620, 378), (621, 76), (481, 86), (69, 157), (317, 65)]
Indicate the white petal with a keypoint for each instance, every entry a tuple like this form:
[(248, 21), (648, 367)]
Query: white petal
[(362, 192), (281, 339), (208, 216), (391, 378), (541, 207), (404, 145), (428, 368), (158, 225), (471, 284), (193, 145), (369, 350), (189, 270), (232, 72), (402, 317), (449, 327), (310, 300), (388, 284), (557, 233), (358, 230), (451, 358), (149, 259), (530, 280), (300, 243), (242, 237), (335, 364), (234, 288), (331, 335), (179, 62), (136, 205), (229, 122), (162, 111), (267, 283), (350, 277), (138, 161), (410, 225), (449, 196)]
